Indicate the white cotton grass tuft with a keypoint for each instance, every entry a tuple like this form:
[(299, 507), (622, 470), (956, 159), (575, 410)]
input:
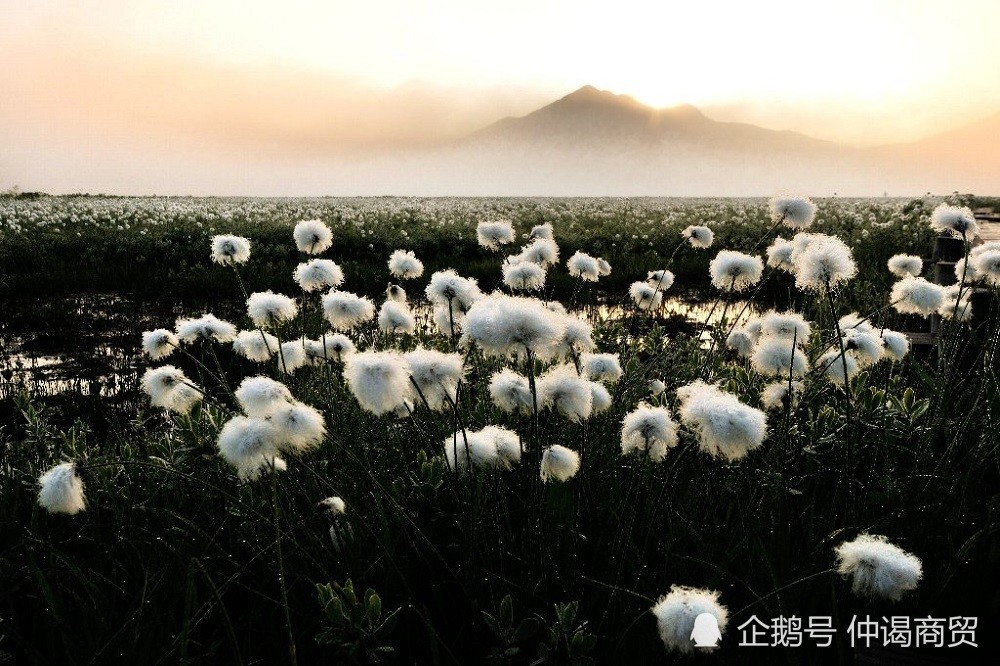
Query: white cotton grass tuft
[(649, 430), (337, 346), (448, 320), (915, 295), (661, 279), (541, 231), (205, 327), (503, 325), (644, 296), (957, 303), (825, 263), (395, 317), (492, 235), (897, 345), (965, 270), (267, 308), (562, 390), (345, 310), (877, 568), (449, 288), (794, 212), (905, 265), (778, 357), (576, 338), (656, 387), (559, 463), (511, 392), (602, 367), (403, 264), (436, 375), (258, 346), (312, 236), (603, 267), (249, 444), (754, 328), (335, 506), (261, 396), (789, 324), (168, 388), (726, 427), (298, 427), (741, 341), (677, 611), (959, 221), (781, 394), (507, 443), (600, 398), (832, 364), (699, 236), (379, 381), (394, 292), (317, 274), (854, 320), (61, 490), (230, 250), (159, 344), (541, 251), (465, 449), (582, 265), (523, 275), (779, 255), (735, 271), (292, 355), (987, 265), (867, 347)]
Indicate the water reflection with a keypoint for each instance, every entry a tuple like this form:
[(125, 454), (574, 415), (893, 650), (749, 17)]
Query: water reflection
[(90, 345)]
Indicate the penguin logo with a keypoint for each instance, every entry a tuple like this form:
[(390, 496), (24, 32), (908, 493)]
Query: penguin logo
[(706, 632)]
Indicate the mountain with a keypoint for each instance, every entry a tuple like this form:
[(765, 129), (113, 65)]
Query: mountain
[(593, 116), (596, 143)]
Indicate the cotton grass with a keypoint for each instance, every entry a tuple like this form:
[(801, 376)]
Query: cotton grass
[(677, 611), (699, 236), (794, 212), (726, 428), (492, 235), (915, 295), (379, 381), (826, 263), (735, 271), (649, 429), (230, 250), (403, 264), (312, 236), (905, 265), (159, 344), (270, 309), (345, 310), (318, 274), (559, 463), (169, 388), (877, 568), (258, 346), (61, 490), (206, 327), (956, 220), (583, 266)]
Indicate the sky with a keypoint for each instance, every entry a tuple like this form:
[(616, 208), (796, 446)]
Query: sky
[(147, 89)]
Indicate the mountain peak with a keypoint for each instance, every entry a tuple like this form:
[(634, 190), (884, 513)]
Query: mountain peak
[(591, 95)]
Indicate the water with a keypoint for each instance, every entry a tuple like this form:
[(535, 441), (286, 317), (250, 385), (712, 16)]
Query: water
[(90, 344)]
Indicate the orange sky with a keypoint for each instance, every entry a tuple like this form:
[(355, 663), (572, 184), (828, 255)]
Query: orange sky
[(224, 80)]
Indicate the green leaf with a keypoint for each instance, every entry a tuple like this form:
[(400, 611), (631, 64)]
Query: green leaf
[(374, 607), (507, 612), (529, 627)]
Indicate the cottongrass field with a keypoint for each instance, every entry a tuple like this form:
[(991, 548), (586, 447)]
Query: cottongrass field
[(458, 469)]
